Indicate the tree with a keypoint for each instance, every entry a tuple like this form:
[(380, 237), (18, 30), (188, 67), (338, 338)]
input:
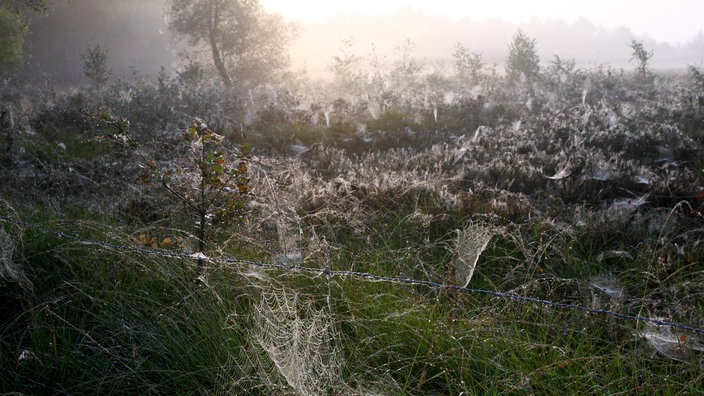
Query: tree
[(641, 57), (95, 67), (467, 65), (246, 43), (696, 77), (25, 5), (559, 71), (522, 63), (12, 32), (210, 180), (405, 68), (13, 28), (347, 67)]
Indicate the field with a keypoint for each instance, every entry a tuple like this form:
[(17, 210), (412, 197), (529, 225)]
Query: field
[(370, 243)]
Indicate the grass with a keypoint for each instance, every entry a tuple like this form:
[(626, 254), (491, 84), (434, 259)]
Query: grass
[(104, 322), (98, 321), (92, 319)]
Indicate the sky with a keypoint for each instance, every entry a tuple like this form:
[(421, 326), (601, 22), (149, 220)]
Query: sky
[(672, 21)]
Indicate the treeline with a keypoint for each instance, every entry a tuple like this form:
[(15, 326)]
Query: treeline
[(141, 37)]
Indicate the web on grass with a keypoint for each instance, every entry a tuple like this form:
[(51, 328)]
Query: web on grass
[(471, 242), (9, 270), (299, 341), (668, 342)]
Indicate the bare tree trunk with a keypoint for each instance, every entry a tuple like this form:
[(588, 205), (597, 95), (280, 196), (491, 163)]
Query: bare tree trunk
[(213, 36)]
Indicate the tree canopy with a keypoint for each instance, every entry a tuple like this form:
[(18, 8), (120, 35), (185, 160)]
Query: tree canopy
[(641, 57), (24, 5), (13, 28), (95, 67), (246, 43), (522, 61)]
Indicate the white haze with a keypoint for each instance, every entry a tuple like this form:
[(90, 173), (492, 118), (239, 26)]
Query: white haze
[(435, 36), (674, 22), (136, 34)]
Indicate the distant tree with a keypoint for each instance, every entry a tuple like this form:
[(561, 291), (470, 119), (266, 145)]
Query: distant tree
[(13, 28), (468, 65), (347, 67), (560, 70), (25, 5), (522, 62), (696, 76), (95, 67), (641, 57), (12, 32), (406, 67), (246, 43), (377, 66)]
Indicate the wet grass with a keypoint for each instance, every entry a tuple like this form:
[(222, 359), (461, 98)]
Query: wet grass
[(86, 318), (99, 321)]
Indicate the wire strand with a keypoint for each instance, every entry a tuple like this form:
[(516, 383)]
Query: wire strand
[(354, 274)]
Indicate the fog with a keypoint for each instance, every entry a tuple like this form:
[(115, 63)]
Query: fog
[(133, 31), (435, 36), (138, 39)]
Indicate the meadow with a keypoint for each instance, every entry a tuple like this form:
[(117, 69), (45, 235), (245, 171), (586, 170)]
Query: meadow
[(148, 251)]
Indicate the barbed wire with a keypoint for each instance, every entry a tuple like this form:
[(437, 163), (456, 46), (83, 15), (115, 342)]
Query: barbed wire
[(354, 274)]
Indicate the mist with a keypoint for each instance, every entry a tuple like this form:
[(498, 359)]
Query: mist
[(133, 31), (434, 36), (394, 204), (140, 43)]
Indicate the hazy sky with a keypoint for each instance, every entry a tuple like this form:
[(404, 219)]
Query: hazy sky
[(673, 21)]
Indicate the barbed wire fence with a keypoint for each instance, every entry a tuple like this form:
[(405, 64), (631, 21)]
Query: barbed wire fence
[(313, 273), (316, 272)]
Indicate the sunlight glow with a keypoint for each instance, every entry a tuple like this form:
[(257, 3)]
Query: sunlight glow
[(675, 21)]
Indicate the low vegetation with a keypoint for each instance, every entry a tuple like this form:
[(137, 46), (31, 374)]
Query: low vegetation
[(134, 261)]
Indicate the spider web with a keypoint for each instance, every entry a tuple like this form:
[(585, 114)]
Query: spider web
[(471, 242), (9, 270), (299, 341)]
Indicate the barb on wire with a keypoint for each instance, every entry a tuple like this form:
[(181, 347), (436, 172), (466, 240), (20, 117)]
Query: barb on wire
[(355, 274)]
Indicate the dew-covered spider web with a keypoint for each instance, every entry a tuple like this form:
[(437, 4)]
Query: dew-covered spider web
[(9, 270), (298, 339), (471, 242)]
